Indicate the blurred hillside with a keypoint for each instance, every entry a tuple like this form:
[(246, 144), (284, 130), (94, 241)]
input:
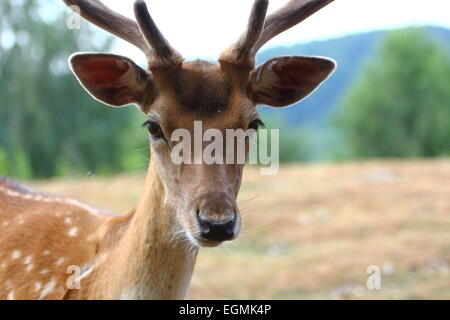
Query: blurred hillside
[(351, 53)]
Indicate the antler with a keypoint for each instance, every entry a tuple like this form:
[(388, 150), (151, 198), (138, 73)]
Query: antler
[(294, 12), (162, 54), (241, 51), (144, 35)]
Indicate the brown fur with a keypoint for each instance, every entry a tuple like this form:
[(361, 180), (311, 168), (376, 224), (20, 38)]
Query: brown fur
[(202, 88), (30, 227), (132, 256)]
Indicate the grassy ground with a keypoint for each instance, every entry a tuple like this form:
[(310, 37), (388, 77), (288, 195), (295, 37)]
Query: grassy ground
[(311, 232)]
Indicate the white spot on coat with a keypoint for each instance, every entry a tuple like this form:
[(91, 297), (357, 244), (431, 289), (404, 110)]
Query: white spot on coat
[(86, 269), (28, 259), (48, 288), (16, 254), (11, 295), (60, 261), (37, 286), (73, 232)]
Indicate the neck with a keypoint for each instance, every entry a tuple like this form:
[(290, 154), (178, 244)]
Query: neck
[(148, 260)]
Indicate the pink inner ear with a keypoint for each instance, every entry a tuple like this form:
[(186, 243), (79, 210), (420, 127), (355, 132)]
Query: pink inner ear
[(296, 73), (102, 70), (283, 81)]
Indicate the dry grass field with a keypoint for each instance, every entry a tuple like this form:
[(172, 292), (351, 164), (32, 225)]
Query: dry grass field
[(311, 231)]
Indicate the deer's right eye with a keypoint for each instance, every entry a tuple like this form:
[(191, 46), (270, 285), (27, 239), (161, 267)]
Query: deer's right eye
[(154, 129)]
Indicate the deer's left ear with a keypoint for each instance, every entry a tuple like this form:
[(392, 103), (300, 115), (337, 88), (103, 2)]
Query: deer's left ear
[(284, 81), (114, 80)]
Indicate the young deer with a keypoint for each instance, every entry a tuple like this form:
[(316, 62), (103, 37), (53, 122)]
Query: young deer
[(58, 248)]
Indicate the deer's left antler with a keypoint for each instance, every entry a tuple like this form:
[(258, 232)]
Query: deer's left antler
[(262, 29)]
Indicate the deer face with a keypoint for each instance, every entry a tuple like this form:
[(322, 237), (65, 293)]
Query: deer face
[(196, 98), (179, 96)]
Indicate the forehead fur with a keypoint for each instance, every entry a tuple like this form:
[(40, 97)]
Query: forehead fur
[(202, 88)]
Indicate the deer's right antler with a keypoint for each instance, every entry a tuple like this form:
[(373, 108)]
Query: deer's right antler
[(161, 53), (145, 34)]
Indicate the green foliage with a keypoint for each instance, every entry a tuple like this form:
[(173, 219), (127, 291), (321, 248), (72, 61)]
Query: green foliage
[(400, 105), (293, 141), (48, 124)]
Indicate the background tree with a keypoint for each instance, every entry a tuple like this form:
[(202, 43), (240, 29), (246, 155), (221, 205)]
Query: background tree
[(400, 105), (48, 124)]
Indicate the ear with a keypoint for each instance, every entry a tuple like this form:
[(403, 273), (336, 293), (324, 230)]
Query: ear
[(284, 81), (114, 80)]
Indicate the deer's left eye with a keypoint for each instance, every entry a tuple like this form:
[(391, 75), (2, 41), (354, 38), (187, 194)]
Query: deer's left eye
[(154, 129)]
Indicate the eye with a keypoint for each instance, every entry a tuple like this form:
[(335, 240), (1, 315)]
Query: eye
[(154, 129), (256, 124)]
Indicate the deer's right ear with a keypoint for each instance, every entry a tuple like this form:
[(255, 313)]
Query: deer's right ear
[(114, 80)]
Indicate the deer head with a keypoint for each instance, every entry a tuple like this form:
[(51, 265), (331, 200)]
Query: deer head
[(174, 94)]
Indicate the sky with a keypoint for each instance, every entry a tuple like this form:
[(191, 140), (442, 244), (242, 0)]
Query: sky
[(203, 28)]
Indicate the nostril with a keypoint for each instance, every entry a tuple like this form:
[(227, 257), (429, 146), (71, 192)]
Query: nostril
[(229, 225), (217, 230), (204, 223)]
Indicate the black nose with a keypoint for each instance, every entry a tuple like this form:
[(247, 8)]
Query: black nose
[(214, 230)]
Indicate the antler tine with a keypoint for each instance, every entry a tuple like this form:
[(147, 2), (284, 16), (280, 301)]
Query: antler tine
[(242, 52), (294, 12), (97, 13), (162, 54), (144, 34), (262, 29)]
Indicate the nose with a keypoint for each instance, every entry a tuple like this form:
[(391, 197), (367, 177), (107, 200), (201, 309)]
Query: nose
[(217, 230)]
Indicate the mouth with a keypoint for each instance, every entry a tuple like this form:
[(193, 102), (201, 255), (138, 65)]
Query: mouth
[(208, 243), (200, 242)]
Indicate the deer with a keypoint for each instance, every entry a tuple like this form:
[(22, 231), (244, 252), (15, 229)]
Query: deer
[(57, 247)]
